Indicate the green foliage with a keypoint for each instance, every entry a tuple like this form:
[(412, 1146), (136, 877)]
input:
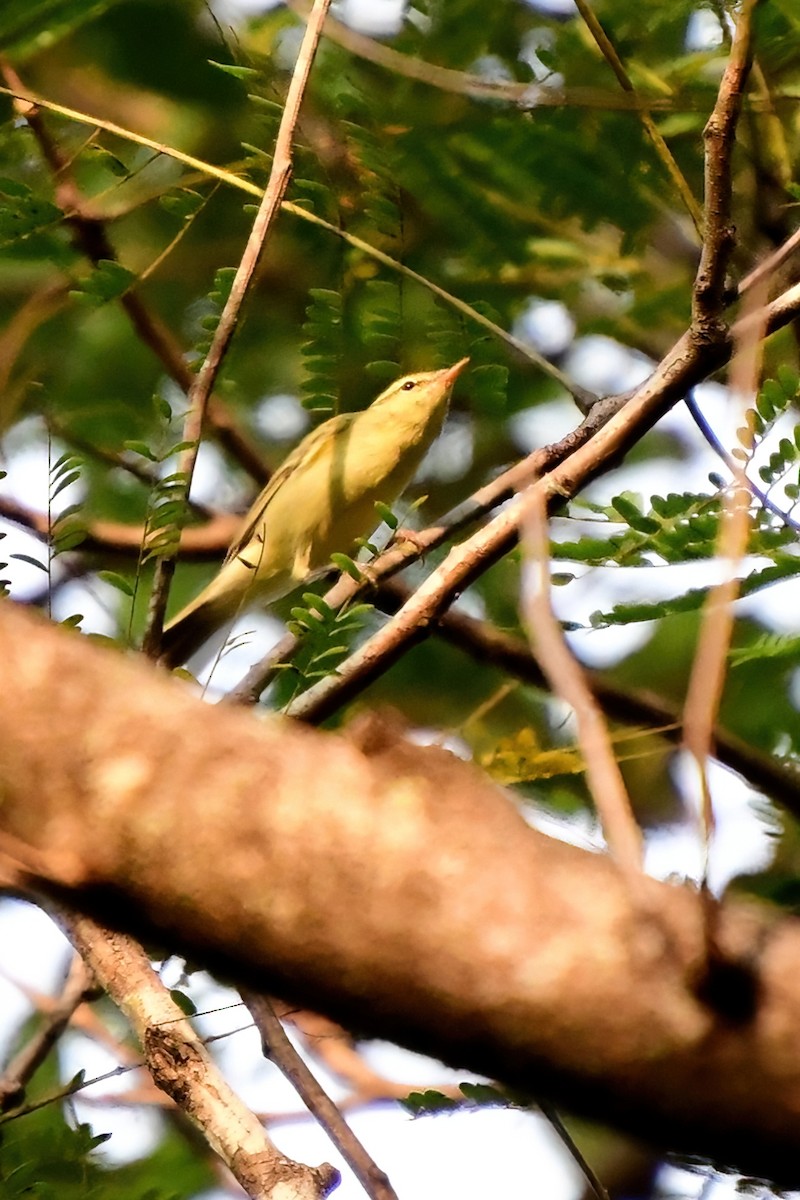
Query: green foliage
[(28, 25), (327, 636), (23, 213), (215, 302), (45, 1157), (322, 350), (476, 1096), (108, 281), (382, 329)]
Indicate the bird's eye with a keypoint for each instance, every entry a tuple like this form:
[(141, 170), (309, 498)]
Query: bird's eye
[(409, 384)]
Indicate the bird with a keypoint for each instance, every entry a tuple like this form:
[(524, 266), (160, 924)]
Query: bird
[(319, 501)]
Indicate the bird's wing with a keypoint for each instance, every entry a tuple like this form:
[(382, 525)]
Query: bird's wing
[(307, 453)]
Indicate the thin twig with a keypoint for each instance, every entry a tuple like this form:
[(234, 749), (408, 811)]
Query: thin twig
[(734, 467), (203, 383), (462, 83), (590, 1175), (200, 542), (91, 238), (182, 1067), (635, 706), (708, 295), (771, 263), (707, 676), (279, 1050), (565, 676), (609, 52), (78, 988), (583, 398)]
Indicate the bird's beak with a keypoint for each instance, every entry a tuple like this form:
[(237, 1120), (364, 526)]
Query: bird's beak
[(450, 374)]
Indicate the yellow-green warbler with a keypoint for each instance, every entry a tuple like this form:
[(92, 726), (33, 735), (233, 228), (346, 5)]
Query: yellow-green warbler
[(318, 502)]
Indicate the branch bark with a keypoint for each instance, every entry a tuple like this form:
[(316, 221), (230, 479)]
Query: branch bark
[(393, 887)]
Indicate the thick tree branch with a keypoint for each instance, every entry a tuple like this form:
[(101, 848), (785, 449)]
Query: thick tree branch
[(392, 887)]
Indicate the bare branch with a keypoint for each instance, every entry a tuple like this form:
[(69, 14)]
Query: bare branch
[(708, 299), (278, 1049), (709, 668), (566, 679), (79, 986), (203, 383), (182, 1067)]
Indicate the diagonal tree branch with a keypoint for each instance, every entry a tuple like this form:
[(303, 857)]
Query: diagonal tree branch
[(708, 298), (442, 920), (279, 1050), (182, 1067), (603, 439), (202, 384)]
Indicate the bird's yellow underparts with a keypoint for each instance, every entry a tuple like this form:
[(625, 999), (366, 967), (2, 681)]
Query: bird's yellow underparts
[(319, 501)]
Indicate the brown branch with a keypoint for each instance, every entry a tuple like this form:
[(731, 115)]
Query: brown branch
[(279, 1050), (400, 555), (709, 668), (612, 427), (462, 83), (419, 905), (182, 1067), (78, 988), (708, 296), (203, 383), (565, 675), (203, 542)]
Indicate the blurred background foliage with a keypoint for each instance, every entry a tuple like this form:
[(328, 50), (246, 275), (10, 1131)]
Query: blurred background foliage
[(521, 181)]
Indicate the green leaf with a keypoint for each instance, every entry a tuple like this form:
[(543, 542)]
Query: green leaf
[(789, 380), (117, 581), (233, 69), (184, 1002), (313, 601), (32, 562), (484, 1095), (65, 539), (107, 282), (386, 515), (182, 204), (632, 514), (428, 1103), (346, 564), (22, 213), (64, 483)]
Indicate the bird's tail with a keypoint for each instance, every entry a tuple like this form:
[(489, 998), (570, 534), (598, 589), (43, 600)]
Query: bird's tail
[(192, 627)]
